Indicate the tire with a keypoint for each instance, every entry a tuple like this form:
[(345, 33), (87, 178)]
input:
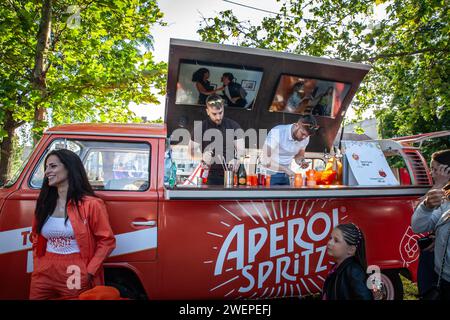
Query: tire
[(126, 284), (391, 287)]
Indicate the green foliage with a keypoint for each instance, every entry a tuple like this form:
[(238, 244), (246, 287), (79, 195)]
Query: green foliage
[(410, 291), (159, 120), (97, 64), (359, 130), (18, 155), (408, 48), (430, 146), (396, 161)]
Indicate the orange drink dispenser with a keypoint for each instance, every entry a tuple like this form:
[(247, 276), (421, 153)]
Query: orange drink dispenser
[(311, 177), (298, 180), (333, 170)]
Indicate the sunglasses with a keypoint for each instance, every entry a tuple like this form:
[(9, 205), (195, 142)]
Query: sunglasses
[(311, 129), (218, 102)]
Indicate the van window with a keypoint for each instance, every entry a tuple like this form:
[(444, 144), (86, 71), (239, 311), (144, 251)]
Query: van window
[(109, 165), (399, 168)]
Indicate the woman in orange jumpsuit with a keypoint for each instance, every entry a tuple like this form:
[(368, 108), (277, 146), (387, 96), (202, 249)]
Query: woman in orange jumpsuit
[(71, 233)]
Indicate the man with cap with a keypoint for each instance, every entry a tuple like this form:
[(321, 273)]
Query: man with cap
[(284, 143)]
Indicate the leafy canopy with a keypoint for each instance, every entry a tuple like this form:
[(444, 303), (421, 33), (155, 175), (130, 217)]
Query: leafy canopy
[(408, 48), (99, 60)]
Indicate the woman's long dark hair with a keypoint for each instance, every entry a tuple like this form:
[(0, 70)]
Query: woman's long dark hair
[(353, 236), (198, 75), (78, 186)]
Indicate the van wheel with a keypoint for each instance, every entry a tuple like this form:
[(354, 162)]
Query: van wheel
[(391, 286), (127, 284)]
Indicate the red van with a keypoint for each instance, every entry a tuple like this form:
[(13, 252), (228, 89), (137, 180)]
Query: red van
[(211, 242)]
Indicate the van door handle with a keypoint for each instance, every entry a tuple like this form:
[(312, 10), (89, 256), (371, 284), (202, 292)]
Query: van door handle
[(150, 223)]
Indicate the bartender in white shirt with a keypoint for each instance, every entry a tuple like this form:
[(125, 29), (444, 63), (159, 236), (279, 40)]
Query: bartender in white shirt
[(284, 143)]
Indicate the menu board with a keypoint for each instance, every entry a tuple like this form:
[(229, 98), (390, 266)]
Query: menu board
[(366, 164)]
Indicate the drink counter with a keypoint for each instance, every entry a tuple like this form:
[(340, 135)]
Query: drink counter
[(289, 192)]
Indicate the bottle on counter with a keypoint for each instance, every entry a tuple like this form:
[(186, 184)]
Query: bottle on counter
[(298, 180), (311, 178), (339, 167), (204, 172), (262, 177), (242, 174), (173, 175), (167, 164), (258, 172), (267, 178), (233, 168), (334, 165)]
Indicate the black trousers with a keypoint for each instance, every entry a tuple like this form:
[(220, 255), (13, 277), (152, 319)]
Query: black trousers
[(426, 277)]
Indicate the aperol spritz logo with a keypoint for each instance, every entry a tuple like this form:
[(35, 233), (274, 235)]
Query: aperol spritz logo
[(409, 249), (274, 248)]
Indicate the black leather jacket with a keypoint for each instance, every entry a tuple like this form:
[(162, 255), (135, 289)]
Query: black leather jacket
[(234, 90), (348, 282)]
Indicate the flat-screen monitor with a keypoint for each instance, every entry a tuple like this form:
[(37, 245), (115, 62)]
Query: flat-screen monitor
[(300, 95), (238, 85)]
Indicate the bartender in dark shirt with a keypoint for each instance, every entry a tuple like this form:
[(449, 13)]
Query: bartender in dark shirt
[(233, 145)]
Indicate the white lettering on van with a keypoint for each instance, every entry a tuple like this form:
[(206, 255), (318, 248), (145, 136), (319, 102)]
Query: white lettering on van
[(281, 251)]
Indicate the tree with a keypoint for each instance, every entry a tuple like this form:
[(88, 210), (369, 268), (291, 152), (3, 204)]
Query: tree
[(408, 48), (83, 62)]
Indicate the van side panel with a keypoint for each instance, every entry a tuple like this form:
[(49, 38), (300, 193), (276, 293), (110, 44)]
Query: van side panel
[(275, 248)]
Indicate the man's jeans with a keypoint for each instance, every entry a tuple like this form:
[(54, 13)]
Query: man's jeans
[(279, 179)]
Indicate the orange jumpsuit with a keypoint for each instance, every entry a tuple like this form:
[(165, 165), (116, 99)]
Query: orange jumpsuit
[(95, 240)]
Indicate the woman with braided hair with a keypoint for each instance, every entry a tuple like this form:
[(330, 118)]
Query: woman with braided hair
[(347, 279)]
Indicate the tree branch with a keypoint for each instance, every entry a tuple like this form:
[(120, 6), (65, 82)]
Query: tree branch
[(40, 60)]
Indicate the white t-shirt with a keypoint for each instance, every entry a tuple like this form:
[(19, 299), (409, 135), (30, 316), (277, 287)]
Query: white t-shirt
[(284, 147), (60, 236)]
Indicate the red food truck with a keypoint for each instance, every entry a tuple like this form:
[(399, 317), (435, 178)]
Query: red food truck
[(211, 242)]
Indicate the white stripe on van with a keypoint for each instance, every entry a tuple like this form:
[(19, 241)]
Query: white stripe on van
[(135, 241), (126, 243), (13, 240)]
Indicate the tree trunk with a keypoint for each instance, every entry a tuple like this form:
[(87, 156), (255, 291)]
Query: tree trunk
[(41, 61), (6, 146)]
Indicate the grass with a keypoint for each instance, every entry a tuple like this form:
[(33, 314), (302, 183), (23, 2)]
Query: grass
[(410, 291)]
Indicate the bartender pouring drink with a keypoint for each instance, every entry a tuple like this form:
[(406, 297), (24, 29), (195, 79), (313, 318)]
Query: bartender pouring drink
[(284, 143), (233, 145)]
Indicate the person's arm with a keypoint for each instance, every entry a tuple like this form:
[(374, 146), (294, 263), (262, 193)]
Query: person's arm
[(268, 161), (300, 159), (427, 214), (358, 285), (99, 226), (202, 89), (294, 101), (34, 237)]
